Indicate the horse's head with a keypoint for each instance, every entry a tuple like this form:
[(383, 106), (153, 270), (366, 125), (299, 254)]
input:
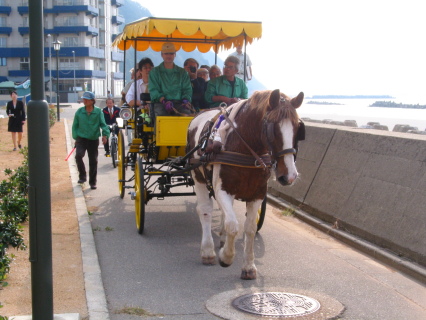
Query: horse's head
[(283, 130)]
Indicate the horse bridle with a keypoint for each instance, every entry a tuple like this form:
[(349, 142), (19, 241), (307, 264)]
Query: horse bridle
[(270, 136)]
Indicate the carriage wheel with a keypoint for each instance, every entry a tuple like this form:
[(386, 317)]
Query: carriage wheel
[(114, 151), (121, 164), (261, 214), (139, 196)]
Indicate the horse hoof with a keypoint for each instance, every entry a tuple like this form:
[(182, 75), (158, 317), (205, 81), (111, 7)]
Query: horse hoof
[(209, 261), (223, 264), (248, 275)]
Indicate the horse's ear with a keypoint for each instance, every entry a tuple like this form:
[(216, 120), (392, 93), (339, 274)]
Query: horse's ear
[(296, 102), (274, 99)]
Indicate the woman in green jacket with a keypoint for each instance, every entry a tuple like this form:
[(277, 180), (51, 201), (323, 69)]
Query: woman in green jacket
[(88, 121)]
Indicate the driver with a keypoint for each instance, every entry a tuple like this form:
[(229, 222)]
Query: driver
[(170, 86)]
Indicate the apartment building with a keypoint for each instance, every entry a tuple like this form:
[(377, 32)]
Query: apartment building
[(86, 60)]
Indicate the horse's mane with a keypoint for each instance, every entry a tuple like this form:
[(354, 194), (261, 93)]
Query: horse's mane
[(260, 99)]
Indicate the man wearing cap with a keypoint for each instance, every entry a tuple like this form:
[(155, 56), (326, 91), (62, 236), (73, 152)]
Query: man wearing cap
[(88, 121), (169, 85)]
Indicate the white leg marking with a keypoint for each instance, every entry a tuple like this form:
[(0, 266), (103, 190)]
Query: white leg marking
[(204, 210)]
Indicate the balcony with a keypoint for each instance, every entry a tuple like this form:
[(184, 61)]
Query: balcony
[(89, 10), (5, 10), (117, 3), (117, 56), (89, 30), (23, 30), (23, 10), (117, 20), (6, 30)]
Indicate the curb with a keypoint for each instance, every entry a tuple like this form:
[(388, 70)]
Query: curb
[(95, 292), (405, 266)]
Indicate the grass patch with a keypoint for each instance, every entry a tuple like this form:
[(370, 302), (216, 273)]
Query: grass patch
[(288, 212), (136, 311)]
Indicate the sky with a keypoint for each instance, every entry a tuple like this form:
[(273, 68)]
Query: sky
[(341, 47)]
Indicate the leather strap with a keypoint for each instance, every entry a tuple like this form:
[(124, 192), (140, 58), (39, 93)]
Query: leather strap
[(258, 159)]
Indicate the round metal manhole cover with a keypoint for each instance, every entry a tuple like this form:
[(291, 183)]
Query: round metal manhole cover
[(276, 304)]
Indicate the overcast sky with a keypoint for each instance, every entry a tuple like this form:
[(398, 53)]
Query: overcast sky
[(329, 46)]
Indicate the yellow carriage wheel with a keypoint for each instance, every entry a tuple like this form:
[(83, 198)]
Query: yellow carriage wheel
[(261, 214), (121, 164), (140, 196)]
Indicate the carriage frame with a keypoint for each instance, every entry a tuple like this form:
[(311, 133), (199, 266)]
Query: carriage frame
[(155, 159)]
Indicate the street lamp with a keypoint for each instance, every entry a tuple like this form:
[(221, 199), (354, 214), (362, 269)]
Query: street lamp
[(57, 47), (50, 66), (75, 89)]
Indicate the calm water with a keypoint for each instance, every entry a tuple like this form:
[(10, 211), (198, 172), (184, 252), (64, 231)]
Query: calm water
[(359, 110)]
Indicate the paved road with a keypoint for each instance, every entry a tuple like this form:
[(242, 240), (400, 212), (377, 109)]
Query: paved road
[(161, 271)]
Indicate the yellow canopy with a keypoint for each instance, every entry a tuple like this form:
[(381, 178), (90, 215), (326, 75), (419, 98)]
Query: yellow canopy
[(187, 34)]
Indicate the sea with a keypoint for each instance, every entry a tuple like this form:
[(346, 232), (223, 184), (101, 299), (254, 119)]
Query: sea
[(360, 111)]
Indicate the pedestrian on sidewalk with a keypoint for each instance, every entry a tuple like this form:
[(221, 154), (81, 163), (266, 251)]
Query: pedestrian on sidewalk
[(111, 113), (88, 122), (16, 112)]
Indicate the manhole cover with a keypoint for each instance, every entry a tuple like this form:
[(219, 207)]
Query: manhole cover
[(276, 304)]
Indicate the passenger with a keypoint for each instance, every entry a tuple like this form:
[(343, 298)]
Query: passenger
[(227, 88), (127, 86), (170, 86), (214, 72), (205, 67), (199, 87), (191, 66), (111, 113), (144, 68), (240, 55)]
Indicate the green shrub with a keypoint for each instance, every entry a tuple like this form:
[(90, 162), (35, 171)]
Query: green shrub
[(13, 211), (52, 117)]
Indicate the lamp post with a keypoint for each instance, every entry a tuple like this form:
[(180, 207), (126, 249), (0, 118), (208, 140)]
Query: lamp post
[(57, 47), (50, 66), (75, 89)]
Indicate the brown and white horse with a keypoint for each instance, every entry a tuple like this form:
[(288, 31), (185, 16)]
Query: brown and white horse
[(268, 124)]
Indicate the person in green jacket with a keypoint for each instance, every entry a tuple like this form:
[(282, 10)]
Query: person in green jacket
[(169, 85), (88, 121), (226, 88)]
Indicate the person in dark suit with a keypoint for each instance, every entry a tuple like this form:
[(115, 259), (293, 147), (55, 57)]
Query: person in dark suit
[(111, 113), (16, 111)]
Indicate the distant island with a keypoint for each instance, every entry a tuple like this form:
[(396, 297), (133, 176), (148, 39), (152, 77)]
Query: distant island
[(332, 96), (324, 103), (391, 104)]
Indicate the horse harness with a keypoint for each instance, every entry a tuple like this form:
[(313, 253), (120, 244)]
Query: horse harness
[(255, 161)]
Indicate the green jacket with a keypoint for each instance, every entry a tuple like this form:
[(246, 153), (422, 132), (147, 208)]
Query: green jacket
[(221, 87), (85, 126), (173, 84)]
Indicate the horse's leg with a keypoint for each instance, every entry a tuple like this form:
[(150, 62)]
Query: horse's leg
[(222, 232), (249, 271), (227, 252), (204, 210)]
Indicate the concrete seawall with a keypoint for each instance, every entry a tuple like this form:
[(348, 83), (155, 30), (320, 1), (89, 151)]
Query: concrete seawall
[(369, 183)]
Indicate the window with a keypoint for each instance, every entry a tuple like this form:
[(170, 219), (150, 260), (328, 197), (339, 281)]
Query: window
[(46, 65), (25, 64), (3, 42), (70, 21), (70, 42), (3, 62), (3, 22), (25, 21)]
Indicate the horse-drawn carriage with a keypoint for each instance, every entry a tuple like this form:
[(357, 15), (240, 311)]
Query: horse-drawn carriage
[(169, 154)]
